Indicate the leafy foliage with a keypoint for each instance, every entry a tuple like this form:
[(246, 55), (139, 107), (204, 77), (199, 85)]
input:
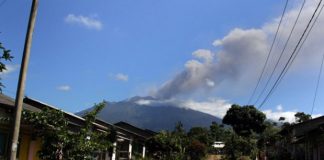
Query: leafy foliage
[(180, 145), (302, 117), (51, 126), (282, 118), (200, 142), (60, 142), (4, 57), (169, 145), (248, 125), (217, 132), (87, 141), (245, 120), (200, 134), (197, 149), (237, 147), (251, 137)]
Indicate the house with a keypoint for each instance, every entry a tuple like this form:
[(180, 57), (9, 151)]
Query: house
[(130, 140), (136, 141), (307, 139), (218, 144), (28, 144)]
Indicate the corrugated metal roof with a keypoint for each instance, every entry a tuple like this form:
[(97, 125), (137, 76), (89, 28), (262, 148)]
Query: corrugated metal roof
[(36, 106), (9, 102)]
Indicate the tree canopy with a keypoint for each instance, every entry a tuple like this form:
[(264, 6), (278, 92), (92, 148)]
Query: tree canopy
[(59, 142), (5, 56), (179, 144), (245, 120), (302, 117)]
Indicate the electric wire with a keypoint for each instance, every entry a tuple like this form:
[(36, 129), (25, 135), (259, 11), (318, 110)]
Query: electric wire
[(281, 54), (302, 44), (290, 58), (270, 50), (307, 34), (317, 84)]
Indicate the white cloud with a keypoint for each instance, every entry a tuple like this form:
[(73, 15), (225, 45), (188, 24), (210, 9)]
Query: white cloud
[(10, 69), (288, 115), (275, 115), (218, 107), (64, 88), (121, 77), (143, 102), (215, 107), (210, 83), (88, 22)]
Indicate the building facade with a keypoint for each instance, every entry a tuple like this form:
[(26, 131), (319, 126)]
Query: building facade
[(307, 140), (130, 140)]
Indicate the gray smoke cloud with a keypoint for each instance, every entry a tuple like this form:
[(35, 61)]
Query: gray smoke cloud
[(209, 69), (236, 62), (239, 56)]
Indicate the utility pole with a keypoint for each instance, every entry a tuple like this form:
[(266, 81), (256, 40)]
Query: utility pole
[(22, 78)]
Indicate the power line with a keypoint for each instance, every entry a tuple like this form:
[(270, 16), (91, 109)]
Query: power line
[(317, 84), (302, 44), (292, 57), (307, 34), (281, 54), (267, 59), (283, 72)]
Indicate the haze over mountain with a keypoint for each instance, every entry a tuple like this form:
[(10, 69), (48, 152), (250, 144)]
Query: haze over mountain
[(149, 113)]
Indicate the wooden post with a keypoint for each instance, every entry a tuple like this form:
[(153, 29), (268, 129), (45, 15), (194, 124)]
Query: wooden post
[(22, 78)]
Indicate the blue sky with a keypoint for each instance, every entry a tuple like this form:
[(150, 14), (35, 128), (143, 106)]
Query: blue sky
[(87, 51)]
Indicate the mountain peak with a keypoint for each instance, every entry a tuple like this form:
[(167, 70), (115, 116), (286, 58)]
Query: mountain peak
[(135, 111)]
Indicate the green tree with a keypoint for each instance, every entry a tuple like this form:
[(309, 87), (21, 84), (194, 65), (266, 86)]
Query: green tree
[(60, 142), (159, 146), (180, 141), (52, 127), (302, 117), (268, 141), (217, 132), (199, 133), (199, 142), (281, 119), (169, 145), (5, 56), (284, 142), (245, 120), (237, 147), (197, 150), (87, 141)]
